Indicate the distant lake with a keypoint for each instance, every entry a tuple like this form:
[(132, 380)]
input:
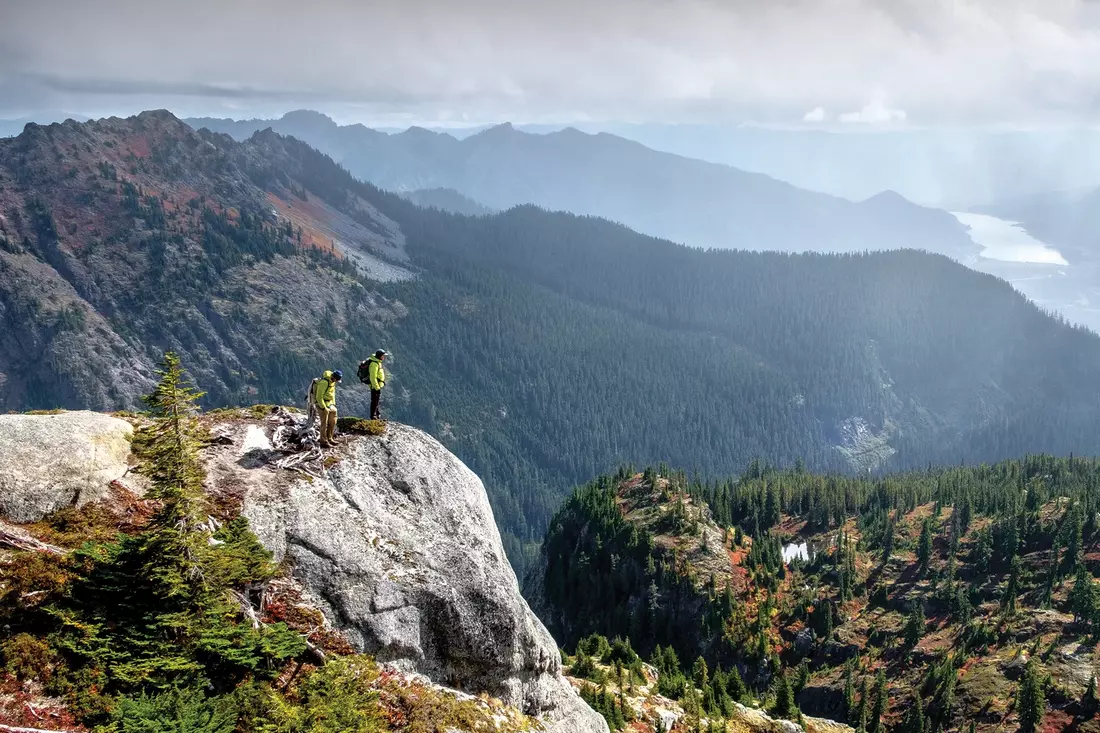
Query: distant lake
[(1007, 241)]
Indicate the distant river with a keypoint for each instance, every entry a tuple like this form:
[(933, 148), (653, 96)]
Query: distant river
[(1007, 241)]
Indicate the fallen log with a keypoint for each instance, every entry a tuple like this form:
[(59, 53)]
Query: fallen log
[(20, 539)]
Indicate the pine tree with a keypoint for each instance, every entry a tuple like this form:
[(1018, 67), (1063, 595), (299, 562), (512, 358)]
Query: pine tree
[(924, 545), (888, 539), (914, 721), (162, 609), (849, 694), (170, 449), (881, 702), (1012, 588), (1082, 598), (784, 706), (983, 552), (735, 686), (1088, 701), (862, 716), (803, 676), (1074, 527), (914, 625), (699, 674), (1030, 701)]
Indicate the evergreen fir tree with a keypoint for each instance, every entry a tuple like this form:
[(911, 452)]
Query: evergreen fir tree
[(914, 625), (700, 676), (165, 608), (1030, 700), (1012, 588), (863, 707), (849, 694), (924, 545), (784, 706), (881, 702), (803, 676), (914, 720), (735, 686), (1082, 597), (983, 552), (1074, 527), (1088, 701)]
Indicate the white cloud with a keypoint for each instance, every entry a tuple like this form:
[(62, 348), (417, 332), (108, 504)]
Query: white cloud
[(673, 60), (874, 113), (817, 114)]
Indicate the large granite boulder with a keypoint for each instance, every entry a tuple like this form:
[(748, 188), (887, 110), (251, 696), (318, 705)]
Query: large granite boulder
[(51, 461), (398, 544)]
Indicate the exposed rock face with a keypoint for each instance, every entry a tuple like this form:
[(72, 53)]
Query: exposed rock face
[(750, 720), (399, 545), (51, 461)]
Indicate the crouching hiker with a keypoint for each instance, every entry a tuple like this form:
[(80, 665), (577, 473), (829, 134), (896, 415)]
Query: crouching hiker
[(324, 399), (372, 373)]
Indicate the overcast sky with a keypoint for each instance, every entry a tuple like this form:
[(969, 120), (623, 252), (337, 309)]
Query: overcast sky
[(856, 63)]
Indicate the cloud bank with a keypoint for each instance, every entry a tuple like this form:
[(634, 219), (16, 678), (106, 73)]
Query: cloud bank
[(871, 62)]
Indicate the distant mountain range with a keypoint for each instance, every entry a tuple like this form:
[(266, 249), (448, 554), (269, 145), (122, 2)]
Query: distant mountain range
[(661, 194), (945, 167)]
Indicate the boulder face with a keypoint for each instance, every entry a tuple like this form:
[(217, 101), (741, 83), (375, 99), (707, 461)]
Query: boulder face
[(398, 544), (48, 462)]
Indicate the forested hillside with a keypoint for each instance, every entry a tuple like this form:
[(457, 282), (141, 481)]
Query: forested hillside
[(665, 195), (945, 599), (541, 347)]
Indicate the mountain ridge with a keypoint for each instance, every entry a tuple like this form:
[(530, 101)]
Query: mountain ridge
[(699, 203)]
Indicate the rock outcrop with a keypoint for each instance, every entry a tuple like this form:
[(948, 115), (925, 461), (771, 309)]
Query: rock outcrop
[(399, 545), (394, 540), (51, 461)]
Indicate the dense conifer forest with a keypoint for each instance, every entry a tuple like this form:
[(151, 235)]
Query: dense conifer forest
[(968, 593)]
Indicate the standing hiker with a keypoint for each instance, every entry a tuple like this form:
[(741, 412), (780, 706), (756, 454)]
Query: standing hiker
[(324, 398), (371, 372)]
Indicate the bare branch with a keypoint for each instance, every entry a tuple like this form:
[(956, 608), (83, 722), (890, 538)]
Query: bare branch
[(20, 539)]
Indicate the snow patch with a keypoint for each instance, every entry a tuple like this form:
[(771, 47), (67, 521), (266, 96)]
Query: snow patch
[(255, 439)]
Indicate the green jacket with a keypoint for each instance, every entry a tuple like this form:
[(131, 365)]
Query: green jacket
[(324, 394), (376, 373)]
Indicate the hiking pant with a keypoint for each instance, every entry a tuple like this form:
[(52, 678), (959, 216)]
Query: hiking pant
[(375, 397), (328, 423)]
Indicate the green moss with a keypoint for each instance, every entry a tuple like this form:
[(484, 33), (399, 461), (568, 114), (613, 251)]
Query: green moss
[(72, 527), (360, 426), (55, 411)]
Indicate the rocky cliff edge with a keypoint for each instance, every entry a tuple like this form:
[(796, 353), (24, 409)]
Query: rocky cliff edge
[(391, 535)]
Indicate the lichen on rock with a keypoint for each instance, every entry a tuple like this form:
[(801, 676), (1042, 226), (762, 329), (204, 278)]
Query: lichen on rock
[(52, 461)]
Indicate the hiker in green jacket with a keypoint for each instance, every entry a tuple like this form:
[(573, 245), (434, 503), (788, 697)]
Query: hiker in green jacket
[(324, 398), (376, 377)]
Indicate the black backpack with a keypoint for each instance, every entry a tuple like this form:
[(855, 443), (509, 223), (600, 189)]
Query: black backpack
[(364, 372)]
